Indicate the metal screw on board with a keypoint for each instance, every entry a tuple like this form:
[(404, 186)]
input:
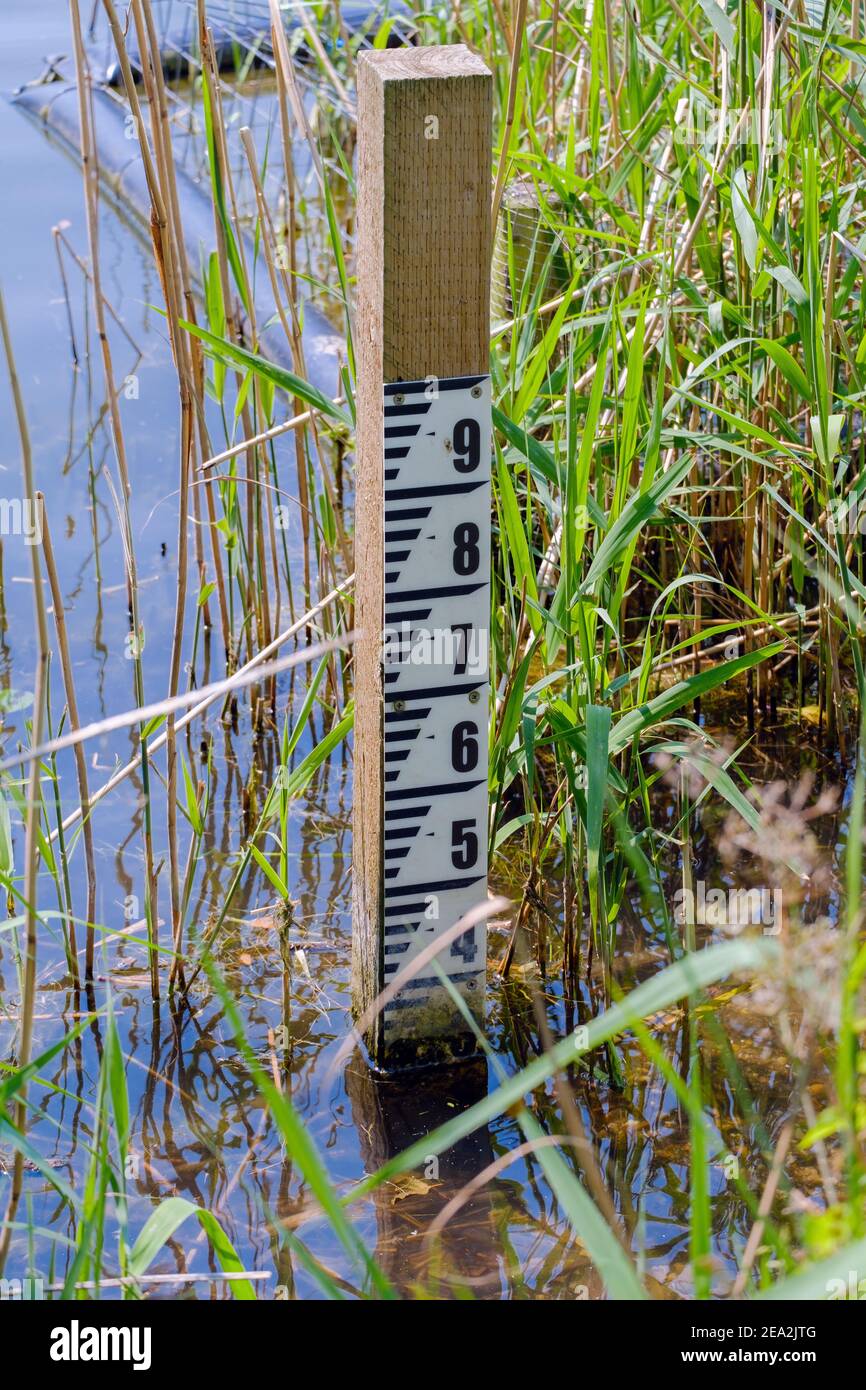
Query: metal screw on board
[(399, 398), (476, 392), (399, 704), (474, 697)]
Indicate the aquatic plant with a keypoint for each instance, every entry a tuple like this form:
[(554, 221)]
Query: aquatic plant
[(678, 502)]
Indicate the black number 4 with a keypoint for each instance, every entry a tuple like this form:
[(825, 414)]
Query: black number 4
[(465, 947)]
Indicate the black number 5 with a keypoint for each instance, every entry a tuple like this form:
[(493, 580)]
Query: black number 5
[(464, 844)]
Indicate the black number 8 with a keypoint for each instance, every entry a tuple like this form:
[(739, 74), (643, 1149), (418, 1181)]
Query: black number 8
[(467, 556)]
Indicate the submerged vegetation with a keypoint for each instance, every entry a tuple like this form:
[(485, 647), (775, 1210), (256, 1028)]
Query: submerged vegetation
[(677, 1031)]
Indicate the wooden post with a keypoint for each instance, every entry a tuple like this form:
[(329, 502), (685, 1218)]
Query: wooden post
[(422, 541)]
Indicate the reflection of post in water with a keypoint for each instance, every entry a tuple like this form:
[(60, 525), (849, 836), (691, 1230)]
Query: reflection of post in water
[(390, 1113)]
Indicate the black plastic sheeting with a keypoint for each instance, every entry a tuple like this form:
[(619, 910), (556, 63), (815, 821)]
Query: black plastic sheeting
[(121, 169), (243, 27)]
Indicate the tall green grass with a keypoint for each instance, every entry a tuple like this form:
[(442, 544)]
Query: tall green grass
[(679, 453)]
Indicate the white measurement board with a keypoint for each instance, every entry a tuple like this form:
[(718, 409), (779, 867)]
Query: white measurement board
[(435, 679)]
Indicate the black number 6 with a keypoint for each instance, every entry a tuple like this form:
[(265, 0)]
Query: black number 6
[(464, 746)]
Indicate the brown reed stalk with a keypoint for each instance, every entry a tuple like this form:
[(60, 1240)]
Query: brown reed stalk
[(284, 75), (34, 796), (74, 723), (513, 77), (269, 244), (90, 171), (194, 358), (250, 589), (168, 241)]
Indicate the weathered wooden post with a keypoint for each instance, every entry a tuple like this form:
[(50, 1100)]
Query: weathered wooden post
[(422, 541)]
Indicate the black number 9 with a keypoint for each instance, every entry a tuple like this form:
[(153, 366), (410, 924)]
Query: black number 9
[(467, 446)]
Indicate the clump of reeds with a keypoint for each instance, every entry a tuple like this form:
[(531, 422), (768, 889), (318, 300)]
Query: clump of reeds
[(678, 495)]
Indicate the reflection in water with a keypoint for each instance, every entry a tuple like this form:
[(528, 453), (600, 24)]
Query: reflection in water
[(390, 1114)]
